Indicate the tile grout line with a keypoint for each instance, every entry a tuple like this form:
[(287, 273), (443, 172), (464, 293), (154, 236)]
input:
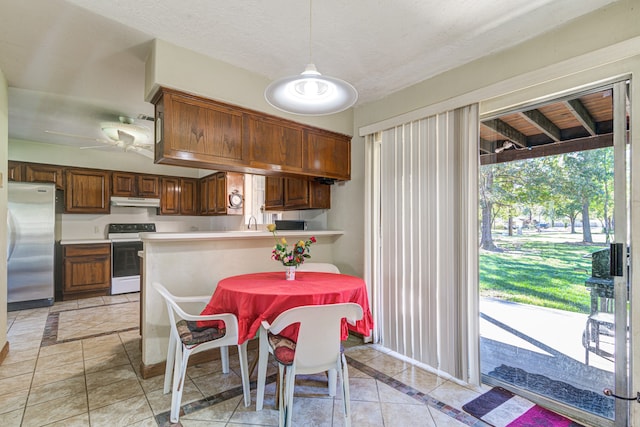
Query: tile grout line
[(416, 394)]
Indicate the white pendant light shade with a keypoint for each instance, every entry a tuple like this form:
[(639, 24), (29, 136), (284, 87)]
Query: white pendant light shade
[(311, 94)]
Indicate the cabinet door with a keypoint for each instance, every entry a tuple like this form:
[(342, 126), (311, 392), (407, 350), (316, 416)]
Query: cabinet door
[(192, 131), (86, 268), (203, 191), (319, 195), (234, 184), (327, 154), (34, 172), (209, 195), (221, 193), (15, 171), (273, 193), (274, 144), (123, 184), (170, 197), (296, 193), (148, 186), (188, 196), (87, 191)]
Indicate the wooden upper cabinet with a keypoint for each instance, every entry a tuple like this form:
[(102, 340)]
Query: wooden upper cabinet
[(273, 144), (282, 194), (273, 193), (193, 131), (128, 184), (34, 172), (148, 185), (188, 196), (327, 153), (87, 191), (179, 196), (15, 171), (216, 191), (170, 196)]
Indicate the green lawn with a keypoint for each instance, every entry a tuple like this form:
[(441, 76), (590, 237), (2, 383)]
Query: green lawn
[(546, 269)]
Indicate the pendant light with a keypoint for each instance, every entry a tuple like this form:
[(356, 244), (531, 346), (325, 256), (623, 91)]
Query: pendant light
[(310, 93)]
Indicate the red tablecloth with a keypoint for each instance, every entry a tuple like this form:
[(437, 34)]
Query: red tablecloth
[(263, 296)]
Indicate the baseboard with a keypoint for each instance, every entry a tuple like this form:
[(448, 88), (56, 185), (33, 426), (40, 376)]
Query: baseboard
[(149, 371), (4, 352)]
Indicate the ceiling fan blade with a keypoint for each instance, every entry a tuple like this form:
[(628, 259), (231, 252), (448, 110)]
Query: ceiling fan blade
[(73, 135), (95, 146)]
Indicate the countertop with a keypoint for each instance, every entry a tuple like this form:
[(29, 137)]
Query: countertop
[(84, 241), (227, 235)]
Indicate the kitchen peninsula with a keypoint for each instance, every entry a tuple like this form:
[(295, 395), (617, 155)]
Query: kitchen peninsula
[(192, 264)]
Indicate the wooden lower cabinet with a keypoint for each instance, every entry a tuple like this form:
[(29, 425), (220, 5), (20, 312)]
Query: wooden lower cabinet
[(86, 270)]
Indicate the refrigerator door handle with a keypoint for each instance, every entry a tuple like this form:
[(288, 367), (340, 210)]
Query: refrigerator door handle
[(11, 235)]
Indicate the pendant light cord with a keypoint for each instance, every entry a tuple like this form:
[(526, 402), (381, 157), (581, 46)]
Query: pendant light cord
[(310, 27)]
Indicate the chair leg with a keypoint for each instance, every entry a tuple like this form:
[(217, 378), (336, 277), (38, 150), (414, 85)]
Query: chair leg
[(244, 373), (224, 356), (168, 370), (263, 357), (282, 416), (288, 386), (343, 372), (332, 379), (180, 372)]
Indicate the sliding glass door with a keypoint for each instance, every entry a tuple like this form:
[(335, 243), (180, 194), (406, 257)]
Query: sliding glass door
[(553, 259)]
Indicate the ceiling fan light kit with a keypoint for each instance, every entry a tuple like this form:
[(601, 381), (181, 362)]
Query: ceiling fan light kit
[(115, 130), (310, 93)]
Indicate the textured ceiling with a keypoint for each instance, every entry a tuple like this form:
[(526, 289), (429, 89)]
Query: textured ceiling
[(71, 64)]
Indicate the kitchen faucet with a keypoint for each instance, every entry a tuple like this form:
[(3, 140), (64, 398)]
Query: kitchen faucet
[(255, 220)]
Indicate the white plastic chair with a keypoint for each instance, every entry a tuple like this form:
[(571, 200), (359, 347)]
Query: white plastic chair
[(320, 267), (317, 349), (180, 349)]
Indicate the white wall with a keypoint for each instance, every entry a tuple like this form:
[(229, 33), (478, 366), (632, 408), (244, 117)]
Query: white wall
[(4, 137), (178, 68)]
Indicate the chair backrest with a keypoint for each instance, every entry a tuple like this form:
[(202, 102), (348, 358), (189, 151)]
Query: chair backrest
[(321, 267), (177, 313), (169, 299), (318, 344)]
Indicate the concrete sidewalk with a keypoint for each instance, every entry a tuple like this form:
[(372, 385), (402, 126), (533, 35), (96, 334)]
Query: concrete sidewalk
[(540, 341)]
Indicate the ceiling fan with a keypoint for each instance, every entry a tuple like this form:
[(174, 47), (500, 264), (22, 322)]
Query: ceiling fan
[(123, 134)]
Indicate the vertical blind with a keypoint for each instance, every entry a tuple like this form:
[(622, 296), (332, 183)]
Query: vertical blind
[(422, 192)]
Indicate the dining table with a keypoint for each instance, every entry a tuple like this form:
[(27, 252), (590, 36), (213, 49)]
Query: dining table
[(256, 297)]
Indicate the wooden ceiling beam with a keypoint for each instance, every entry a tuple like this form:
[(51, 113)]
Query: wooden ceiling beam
[(506, 131), (582, 115), (540, 121), (486, 147), (579, 144)]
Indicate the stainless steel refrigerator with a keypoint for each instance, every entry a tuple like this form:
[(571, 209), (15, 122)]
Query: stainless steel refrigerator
[(32, 230)]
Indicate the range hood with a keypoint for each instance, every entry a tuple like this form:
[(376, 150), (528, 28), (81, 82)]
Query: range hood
[(142, 202)]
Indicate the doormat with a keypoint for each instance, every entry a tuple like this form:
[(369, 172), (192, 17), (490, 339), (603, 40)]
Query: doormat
[(501, 408), (587, 400)]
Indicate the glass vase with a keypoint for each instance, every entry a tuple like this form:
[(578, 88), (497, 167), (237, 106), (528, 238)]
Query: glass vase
[(290, 272)]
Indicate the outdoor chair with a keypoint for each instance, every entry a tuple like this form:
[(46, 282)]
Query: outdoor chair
[(317, 349), (186, 338), (600, 322)]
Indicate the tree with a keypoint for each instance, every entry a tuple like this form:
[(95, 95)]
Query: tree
[(587, 174)]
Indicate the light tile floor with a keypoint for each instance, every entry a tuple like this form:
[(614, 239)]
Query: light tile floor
[(59, 373)]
